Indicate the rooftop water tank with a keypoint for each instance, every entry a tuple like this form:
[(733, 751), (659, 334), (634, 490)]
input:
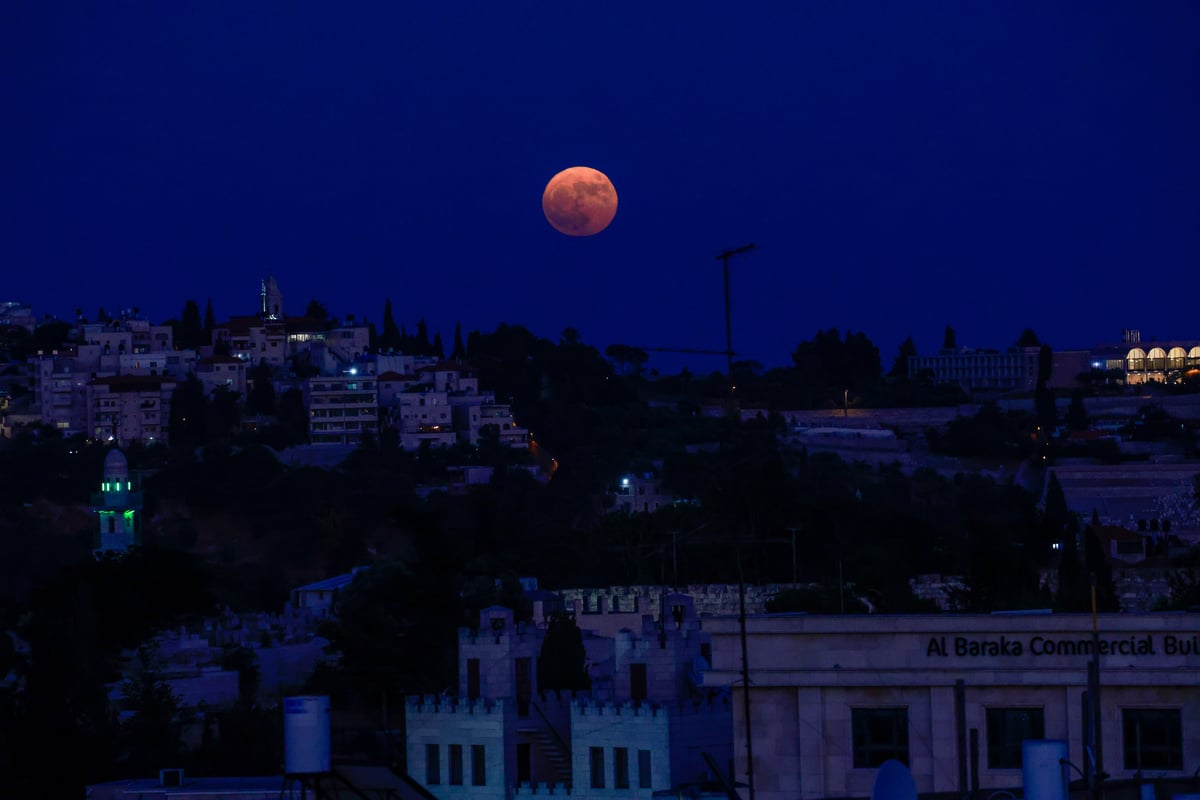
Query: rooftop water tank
[(1044, 769), (306, 735)]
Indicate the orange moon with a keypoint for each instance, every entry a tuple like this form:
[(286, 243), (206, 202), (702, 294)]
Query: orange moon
[(579, 201)]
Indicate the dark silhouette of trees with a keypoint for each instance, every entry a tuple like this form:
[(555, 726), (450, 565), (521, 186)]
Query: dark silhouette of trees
[(210, 321), (316, 310), (627, 358), (262, 393), (949, 341), (50, 335), (1077, 416), (459, 353), (421, 344), (562, 661), (389, 338), (1028, 339), (908, 349), (190, 334), (829, 365), (187, 427), (16, 343)]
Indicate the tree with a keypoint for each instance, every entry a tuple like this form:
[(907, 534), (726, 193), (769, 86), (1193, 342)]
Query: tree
[(459, 354), (186, 427), (908, 349), (1047, 414), (438, 348), (262, 395), (151, 737), (948, 339), (421, 344), (51, 335), (223, 414), (389, 338), (191, 332), (316, 310), (1077, 416), (293, 416), (1028, 339), (562, 662), (210, 321), (627, 358), (16, 343)]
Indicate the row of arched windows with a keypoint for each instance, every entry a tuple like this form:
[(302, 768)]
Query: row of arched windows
[(1160, 360)]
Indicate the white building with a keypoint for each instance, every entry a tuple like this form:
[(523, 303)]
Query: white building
[(647, 726), (129, 408), (953, 696), (341, 409)]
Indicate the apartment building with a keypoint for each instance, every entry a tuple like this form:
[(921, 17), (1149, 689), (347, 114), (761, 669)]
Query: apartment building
[(342, 409), (129, 408)]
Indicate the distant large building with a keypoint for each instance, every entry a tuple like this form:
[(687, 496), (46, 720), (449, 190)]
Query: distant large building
[(1015, 370), (953, 696), (1162, 361)]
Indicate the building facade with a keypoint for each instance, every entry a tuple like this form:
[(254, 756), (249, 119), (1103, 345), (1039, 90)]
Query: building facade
[(645, 727), (953, 696)]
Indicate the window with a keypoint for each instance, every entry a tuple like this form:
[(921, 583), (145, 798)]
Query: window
[(1006, 729), (433, 765), (644, 780), (621, 767), (879, 734), (456, 765), (472, 678), (478, 766), (597, 759), (638, 683), (1152, 738)]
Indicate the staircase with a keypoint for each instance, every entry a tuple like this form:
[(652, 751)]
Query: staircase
[(550, 747)]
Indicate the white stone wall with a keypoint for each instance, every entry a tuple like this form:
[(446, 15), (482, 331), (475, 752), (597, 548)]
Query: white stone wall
[(612, 726), (446, 721), (809, 672)]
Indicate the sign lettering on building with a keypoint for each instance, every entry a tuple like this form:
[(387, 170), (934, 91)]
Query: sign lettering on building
[(1003, 646)]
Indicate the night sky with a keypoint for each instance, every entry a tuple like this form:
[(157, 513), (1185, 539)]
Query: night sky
[(901, 166)]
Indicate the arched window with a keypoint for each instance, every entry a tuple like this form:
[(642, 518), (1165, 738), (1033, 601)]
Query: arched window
[(1194, 357), (1177, 358), (1156, 360), (1135, 360)]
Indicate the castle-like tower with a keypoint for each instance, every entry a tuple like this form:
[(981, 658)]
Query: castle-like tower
[(118, 507)]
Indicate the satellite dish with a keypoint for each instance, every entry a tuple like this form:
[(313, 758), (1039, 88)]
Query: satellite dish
[(893, 782)]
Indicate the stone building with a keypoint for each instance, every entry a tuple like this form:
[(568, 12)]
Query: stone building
[(647, 726), (954, 695)]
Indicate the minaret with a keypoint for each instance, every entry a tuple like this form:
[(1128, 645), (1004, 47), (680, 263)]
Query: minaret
[(118, 507)]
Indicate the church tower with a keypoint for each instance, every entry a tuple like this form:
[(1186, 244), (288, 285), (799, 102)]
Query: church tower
[(272, 299), (118, 507)]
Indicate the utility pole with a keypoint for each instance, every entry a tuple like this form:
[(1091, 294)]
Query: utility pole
[(724, 259), (733, 423)]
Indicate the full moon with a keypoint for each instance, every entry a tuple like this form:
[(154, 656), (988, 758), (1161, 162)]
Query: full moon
[(579, 201)]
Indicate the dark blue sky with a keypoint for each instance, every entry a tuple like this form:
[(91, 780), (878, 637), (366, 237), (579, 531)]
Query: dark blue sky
[(901, 166)]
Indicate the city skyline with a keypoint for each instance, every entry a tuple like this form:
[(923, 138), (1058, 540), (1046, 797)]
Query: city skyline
[(899, 169)]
